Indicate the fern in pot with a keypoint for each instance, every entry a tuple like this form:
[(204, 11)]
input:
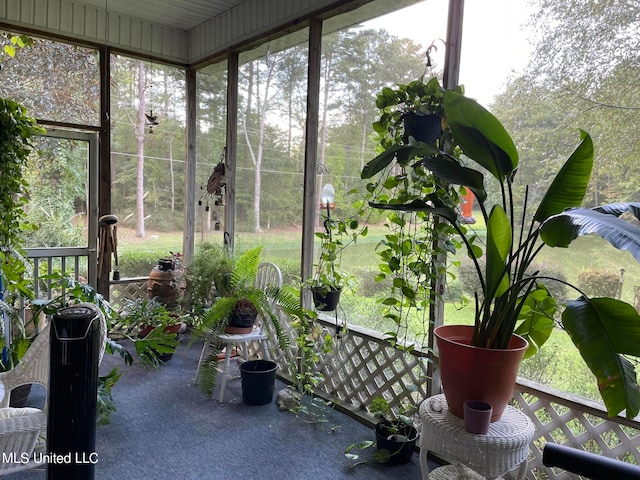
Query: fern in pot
[(241, 304)]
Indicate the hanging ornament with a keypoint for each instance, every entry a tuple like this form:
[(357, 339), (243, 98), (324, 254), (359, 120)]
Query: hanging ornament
[(214, 188), (151, 119)]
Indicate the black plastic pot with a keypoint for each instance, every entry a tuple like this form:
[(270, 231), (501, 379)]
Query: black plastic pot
[(20, 396), (396, 438), (326, 302), (258, 381), (424, 128)]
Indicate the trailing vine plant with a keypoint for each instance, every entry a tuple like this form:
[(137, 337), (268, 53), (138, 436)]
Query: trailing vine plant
[(411, 242)]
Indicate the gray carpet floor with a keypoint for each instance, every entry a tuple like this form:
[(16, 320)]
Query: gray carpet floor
[(164, 428)]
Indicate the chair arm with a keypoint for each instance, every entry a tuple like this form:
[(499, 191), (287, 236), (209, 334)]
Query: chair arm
[(589, 465)]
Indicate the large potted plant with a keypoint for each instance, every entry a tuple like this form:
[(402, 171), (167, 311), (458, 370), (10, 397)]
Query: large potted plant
[(148, 319), (513, 299), (17, 130), (206, 277)]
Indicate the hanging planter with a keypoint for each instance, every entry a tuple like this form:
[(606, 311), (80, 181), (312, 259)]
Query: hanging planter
[(326, 300), (425, 128)]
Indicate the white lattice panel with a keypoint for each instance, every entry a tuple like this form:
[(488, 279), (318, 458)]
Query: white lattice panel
[(563, 418), (127, 289)]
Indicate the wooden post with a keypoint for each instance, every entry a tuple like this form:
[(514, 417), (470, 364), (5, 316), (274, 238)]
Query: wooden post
[(232, 150), (104, 160), (450, 80), (311, 147), (188, 234)]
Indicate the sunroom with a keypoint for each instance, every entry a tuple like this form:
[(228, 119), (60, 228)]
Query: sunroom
[(283, 94)]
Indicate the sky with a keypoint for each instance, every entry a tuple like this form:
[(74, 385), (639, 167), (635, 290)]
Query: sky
[(493, 44)]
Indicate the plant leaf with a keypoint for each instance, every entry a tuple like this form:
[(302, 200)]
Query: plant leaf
[(481, 135), (570, 184), (537, 319), (561, 229), (407, 152), (603, 329), (452, 172), (498, 248)]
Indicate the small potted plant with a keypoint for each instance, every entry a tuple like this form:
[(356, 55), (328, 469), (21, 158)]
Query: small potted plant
[(395, 434), (328, 280), (147, 319)]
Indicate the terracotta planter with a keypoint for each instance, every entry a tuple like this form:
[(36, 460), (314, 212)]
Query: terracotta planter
[(147, 329), (473, 373), (161, 284), (175, 329)]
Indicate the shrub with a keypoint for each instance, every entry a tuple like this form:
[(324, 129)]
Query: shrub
[(206, 274), (470, 282), (290, 268), (368, 286), (454, 292), (468, 277), (599, 283), (138, 264)]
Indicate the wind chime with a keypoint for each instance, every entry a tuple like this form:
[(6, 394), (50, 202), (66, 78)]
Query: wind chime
[(214, 190), (151, 119)]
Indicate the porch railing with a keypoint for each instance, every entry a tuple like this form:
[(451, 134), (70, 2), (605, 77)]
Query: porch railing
[(70, 261), (363, 365)]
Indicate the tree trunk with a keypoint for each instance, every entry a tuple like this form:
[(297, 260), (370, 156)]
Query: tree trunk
[(140, 153), (172, 176)]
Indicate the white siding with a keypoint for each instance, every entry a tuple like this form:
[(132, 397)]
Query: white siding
[(247, 21), (87, 23)]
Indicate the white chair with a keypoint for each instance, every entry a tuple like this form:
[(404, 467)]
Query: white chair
[(268, 275), (23, 430), (22, 438)]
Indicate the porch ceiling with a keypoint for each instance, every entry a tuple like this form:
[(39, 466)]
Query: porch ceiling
[(178, 14), (187, 32)]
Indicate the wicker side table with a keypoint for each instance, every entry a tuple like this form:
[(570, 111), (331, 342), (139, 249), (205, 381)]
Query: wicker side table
[(502, 449)]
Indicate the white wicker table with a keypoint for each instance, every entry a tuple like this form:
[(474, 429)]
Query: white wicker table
[(502, 449)]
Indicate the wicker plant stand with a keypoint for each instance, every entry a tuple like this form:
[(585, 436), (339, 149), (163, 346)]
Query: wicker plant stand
[(504, 448)]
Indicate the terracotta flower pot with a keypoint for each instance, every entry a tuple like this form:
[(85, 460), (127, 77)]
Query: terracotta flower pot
[(469, 372)]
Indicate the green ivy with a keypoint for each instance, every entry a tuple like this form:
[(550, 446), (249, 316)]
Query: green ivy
[(16, 130)]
